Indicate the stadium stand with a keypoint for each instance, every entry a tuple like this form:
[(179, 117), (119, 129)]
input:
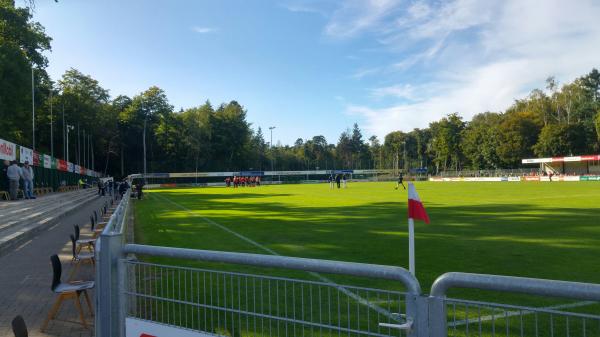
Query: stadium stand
[(21, 220)]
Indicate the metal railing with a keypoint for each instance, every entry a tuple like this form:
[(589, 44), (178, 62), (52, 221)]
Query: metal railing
[(108, 250), (459, 317), (238, 304), (225, 303), (290, 305)]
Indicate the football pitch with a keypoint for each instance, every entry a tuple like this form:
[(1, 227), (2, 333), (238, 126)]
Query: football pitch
[(541, 230)]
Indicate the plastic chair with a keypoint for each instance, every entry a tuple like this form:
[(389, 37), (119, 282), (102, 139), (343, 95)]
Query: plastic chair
[(66, 291), (89, 243), (79, 258)]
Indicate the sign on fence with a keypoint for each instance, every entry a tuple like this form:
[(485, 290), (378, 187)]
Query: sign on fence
[(47, 161), (36, 158), (25, 155), (8, 150), (141, 328)]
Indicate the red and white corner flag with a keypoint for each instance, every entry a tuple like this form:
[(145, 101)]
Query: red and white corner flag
[(415, 206), (415, 211)]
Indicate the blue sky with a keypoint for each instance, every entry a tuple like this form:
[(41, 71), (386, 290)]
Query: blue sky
[(317, 67)]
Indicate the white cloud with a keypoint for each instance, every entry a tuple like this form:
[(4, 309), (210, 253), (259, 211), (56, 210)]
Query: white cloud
[(481, 56), (360, 73), (355, 16), (406, 91), (203, 30)]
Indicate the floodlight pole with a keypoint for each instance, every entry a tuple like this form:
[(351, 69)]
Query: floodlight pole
[(78, 145), (63, 130), (69, 127), (51, 126), (144, 138), (32, 110), (404, 160), (271, 146)]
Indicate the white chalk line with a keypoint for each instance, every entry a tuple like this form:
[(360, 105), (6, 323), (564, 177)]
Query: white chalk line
[(517, 313), (272, 252)]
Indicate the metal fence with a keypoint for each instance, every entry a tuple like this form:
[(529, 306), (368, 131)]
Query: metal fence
[(226, 303), (477, 318), (236, 304)]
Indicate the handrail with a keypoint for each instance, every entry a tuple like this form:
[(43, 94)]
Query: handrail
[(296, 263), (524, 285), (116, 220)]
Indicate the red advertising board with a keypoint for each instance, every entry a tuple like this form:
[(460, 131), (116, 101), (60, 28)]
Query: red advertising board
[(36, 158), (591, 157), (61, 165)]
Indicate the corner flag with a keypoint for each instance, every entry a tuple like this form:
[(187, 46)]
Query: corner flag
[(415, 211), (415, 206)]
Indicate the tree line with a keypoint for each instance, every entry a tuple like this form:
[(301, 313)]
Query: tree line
[(560, 120)]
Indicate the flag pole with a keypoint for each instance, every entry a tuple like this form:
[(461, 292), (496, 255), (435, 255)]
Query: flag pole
[(411, 246)]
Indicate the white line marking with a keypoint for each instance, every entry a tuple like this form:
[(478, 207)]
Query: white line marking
[(272, 252), (516, 313)]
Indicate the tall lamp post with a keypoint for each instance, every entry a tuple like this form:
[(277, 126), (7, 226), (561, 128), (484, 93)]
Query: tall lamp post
[(404, 160), (144, 137), (69, 128), (32, 110), (51, 126), (271, 145)]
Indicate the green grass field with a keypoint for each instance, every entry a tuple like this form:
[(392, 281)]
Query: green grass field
[(542, 230)]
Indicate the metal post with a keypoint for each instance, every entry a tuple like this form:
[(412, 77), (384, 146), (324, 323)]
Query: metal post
[(51, 127), (63, 130), (108, 309), (68, 129), (84, 148), (32, 110), (411, 246), (78, 145), (271, 146), (144, 141)]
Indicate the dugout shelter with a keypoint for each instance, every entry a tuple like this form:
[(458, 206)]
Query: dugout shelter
[(573, 165)]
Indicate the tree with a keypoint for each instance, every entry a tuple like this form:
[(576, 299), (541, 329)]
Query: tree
[(481, 139), (22, 46), (518, 134), (561, 140), (446, 141)]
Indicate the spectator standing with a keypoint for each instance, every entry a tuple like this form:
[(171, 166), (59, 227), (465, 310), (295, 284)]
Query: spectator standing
[(139, 187), (27, 174), (123, 187), (14, 174)]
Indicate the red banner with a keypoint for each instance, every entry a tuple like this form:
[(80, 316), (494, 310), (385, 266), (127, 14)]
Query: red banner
[(36, 158), (62, 165)]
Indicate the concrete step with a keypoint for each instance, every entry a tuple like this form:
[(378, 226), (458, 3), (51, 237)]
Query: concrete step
[(32, 210), (26, 230)]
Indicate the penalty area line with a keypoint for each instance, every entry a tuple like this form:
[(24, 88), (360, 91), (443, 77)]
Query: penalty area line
[(272, 252)]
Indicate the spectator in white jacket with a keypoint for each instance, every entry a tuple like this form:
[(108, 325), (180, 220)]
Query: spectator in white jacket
[(13, 173)]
